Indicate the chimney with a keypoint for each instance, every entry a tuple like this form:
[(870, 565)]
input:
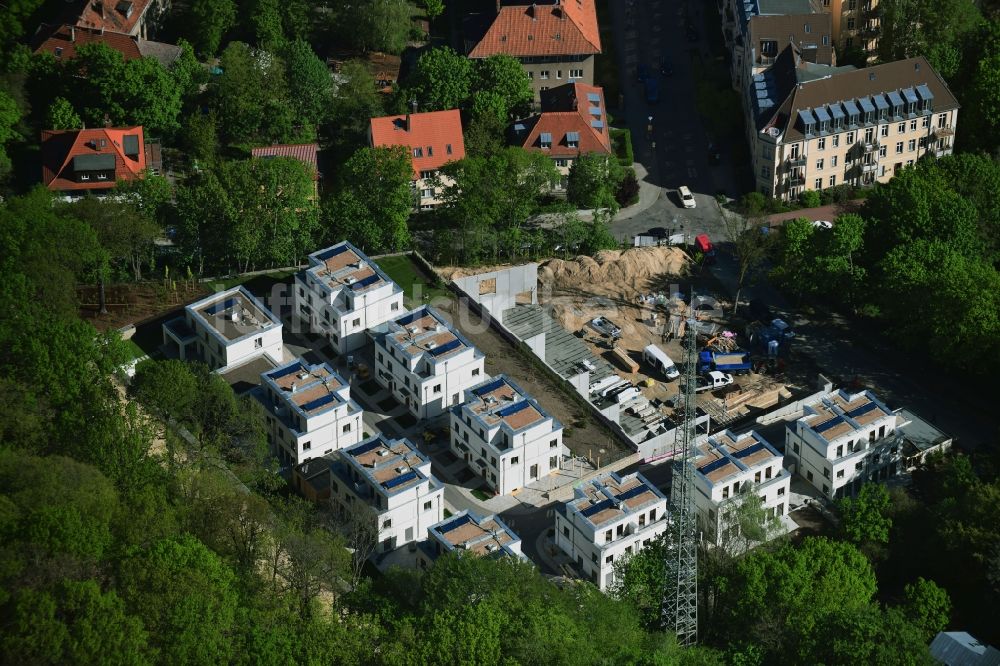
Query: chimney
[(72, 33)]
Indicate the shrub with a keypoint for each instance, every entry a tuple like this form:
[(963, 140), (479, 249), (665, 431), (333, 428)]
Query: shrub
[(810, 199), (621, 142), (628, 189)]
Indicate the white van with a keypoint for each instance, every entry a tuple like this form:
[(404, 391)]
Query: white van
[(658, 358)]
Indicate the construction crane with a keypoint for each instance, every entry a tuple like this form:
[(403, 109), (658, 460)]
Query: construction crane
[(679, 611)]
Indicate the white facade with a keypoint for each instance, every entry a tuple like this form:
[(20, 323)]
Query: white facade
[(505, 436), (309, 411), (468, 533), (728, 466), (342, 294), (226, 329), (425, 363), (610, 517), (388, 482), (843, 440)]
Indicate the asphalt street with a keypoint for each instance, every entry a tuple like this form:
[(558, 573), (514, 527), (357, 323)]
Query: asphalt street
[(675, 152)]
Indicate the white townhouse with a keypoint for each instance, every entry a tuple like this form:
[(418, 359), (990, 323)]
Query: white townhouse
[(843, 440), (727, 466), (505, 436), (387, 482), (342, 294), (609, 518), (466, 532), (224, 330), (309, 411), (425, 363)]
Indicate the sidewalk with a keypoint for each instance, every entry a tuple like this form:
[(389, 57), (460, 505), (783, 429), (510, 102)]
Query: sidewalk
[(648, 194)]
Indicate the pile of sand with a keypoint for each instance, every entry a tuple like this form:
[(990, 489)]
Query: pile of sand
[(623, 272)]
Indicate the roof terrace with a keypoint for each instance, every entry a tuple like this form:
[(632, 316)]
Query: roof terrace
[(609, 498), (343, 265), (725, 454), (234, 314), (424, 331), (483, 536), (501, 402), (391, 465), (312, 389), (842, 413)]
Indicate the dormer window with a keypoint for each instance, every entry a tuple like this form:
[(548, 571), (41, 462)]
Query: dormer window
[(572, 139), (59, 52), (418, 152), (430, 151), (545, 140), (447, 148)]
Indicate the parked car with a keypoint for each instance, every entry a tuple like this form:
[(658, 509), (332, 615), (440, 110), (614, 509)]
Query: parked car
[(658, 358), (605, 326), (823, 224), (687, 199)]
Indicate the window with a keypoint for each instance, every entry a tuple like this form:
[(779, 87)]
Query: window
[(553, 443), (840, 474), (576, 73), (84, 176), (840, 450), (795, 448), (821, 144), (426, 174), (909, 162), (851, 23), (356, 322), (942, 120), (926, 122), (346, 428), (544, 74), (430, 151), (826, 472), (819, 164), (558, 73), (553, 462), (767, 473), (426, 193), (609, 559), (428, 506), (850, 138), (884, 130), (475, 372), (258, 343), (387, 523), (911, 145), (833, 181), (652, 515), (756, 477), (826, 40), (913, 125), (621, 530), (826, 489), (515, 460), (725, 492), (881, 151), (447, 148), (833, 161), (562, 161), (437, 389), (418, 152), (809, 475), (781, 491), (900, 128), (818, 184), (306, 446), (836, 140), (899, 147), (607, 536), (394, 307)]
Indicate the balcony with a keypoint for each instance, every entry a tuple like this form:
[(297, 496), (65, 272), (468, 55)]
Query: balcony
[(947, 130), (796, 179), (869, 167), (795, 162)]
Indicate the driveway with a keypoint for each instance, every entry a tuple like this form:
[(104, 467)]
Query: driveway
[(646, 31)]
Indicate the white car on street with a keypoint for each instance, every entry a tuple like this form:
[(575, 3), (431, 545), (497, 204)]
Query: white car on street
[(687, 199)]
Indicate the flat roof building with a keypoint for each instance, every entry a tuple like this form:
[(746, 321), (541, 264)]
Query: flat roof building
[(728, 466), (224, 330), (342, 294), (426, 363), (387, 484), (609, 518), (468, 533), (310, 412), (505, 435)]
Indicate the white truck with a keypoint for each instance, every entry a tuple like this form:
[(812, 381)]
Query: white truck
[(658, 358), (713, 380)]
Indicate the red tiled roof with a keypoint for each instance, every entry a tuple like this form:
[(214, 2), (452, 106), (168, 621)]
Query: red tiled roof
[(568, 27), (62, 42), (567, 108), (304, 152), (112, 15), (437, 134), (60, 147)]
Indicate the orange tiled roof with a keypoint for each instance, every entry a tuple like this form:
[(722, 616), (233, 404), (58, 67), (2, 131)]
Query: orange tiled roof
[(114, 15), (62, 42), (60, 147), (304, 152), (568, 108), (568, 27), (437, 135)]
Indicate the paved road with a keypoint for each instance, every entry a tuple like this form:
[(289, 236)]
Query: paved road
[(647, 31)]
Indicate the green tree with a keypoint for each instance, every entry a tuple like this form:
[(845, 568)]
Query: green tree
[(266, 24), (150, 195), (62, 116), (928, 607), (355, 101), (13, 21), (375, 190), (864, 519), (166, 389), (752, 243), (381, 25), (209, 21), (252, 97), (433, 8), (442, 79), (503, 76), (593, 181), (795, 268), (185, 596), (124, 231), (310, 86), (809, 199), (201, 137), (188, 73), (10, 117)]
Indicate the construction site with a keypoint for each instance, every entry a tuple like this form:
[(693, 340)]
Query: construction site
[(612, 326)]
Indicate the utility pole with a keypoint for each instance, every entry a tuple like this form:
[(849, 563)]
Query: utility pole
[(679, 611)]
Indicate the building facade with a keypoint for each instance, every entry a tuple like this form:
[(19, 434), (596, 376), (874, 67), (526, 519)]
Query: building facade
[(729, 466), (856, 25), (433, 139), (844, 440), (817, 127), (387, 485), (609, 518), (505, 436), (573, 121), (224, 330), (466, 532), (342, 294), (309, 411), (763, 36), (555, 41), (425, 363)]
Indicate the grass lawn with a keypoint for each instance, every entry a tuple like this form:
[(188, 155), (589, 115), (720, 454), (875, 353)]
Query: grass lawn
[(417, 286), (135, 350), (481, 495)]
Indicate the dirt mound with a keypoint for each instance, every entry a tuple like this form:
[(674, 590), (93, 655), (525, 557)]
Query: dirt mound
[(624, 272)]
